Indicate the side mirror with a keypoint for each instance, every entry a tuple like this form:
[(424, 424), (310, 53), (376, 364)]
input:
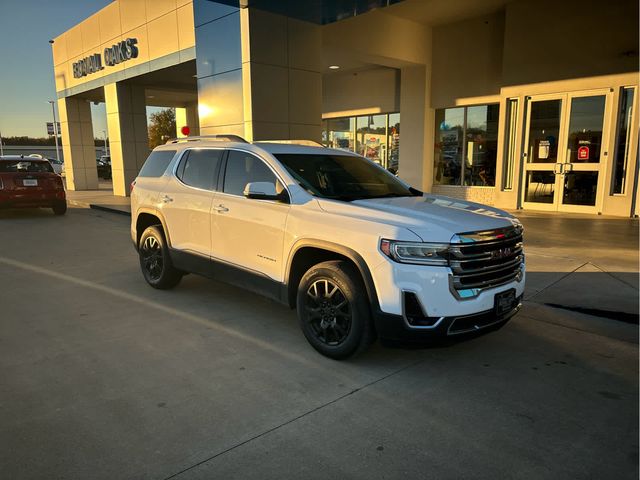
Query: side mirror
[(261, 191)]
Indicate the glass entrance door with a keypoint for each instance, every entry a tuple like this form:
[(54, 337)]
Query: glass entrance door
[(542, 155), (585, 152), (565, 139)]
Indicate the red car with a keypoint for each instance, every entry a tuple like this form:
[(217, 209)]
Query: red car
[(30, 182)]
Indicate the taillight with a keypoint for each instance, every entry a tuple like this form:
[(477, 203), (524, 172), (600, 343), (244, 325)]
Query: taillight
[(1, 184), (131, 187)]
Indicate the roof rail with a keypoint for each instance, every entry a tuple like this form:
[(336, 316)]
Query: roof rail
[(220, 138), (308, 143)]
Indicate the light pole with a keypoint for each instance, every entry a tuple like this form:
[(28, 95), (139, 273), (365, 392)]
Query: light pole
[(55, 128), (1, 149), (106, 148)]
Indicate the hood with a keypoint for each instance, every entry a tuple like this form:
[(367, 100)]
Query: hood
[(434, 218)]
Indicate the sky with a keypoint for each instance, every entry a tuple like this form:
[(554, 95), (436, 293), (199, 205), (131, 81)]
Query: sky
[(26, 65)]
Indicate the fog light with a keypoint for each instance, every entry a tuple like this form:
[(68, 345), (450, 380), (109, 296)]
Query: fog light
[(414, 313)]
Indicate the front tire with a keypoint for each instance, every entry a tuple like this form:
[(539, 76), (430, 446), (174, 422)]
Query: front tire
[(333, 310), (155, 262)]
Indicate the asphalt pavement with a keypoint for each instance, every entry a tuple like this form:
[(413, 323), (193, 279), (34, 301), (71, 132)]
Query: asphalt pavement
[(103, 377)]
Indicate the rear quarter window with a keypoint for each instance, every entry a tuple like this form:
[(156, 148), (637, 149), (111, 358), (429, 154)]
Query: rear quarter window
[(157, 163)]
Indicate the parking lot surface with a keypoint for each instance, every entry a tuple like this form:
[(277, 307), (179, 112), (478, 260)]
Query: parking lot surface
[(103, 377)]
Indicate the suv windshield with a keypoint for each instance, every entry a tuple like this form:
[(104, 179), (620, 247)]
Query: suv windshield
[(25, 166), (343, 177)]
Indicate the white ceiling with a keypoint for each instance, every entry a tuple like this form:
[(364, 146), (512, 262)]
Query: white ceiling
[(344, 58), (426, 12)]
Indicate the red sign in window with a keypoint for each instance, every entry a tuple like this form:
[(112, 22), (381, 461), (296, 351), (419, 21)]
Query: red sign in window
[(583, 153)]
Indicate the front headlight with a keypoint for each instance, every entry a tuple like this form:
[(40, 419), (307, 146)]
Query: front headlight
[(436, 254)]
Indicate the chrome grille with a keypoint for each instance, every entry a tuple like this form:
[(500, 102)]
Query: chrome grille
[(486, 259)]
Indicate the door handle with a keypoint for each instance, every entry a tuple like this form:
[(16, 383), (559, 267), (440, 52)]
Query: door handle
[(220, 208), (167, 199)]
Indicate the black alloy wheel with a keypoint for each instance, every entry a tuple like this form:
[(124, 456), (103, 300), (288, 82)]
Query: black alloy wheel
[(155, 262), (328, 312), (151, 258), (333, 309)]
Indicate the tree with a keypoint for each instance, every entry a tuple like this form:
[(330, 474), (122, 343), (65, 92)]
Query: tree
[(162, 127)]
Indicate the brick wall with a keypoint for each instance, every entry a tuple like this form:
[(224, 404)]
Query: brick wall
[(483, 195)]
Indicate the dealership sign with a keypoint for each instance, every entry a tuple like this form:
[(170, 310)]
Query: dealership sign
[(118, 53), (51, 130)]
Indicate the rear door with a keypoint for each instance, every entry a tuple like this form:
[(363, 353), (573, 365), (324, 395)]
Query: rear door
[(247, 232), (187, 197)]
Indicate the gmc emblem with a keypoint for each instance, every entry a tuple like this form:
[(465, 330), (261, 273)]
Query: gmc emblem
[(501, 253)]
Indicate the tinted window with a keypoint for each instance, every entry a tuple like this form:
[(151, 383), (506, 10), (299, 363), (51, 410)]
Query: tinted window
[(157, 163), (198, 168), (343, 177), (623, 137), (243, 168), (26, 166), (466, 145)]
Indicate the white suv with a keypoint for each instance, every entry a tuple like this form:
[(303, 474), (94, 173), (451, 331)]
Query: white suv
[(354, 249)]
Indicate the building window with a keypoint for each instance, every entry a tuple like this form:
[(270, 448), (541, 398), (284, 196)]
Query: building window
[(371, 138), (466, 145), (623, 140), (449, 146), (510, 144), (341, 133), (394, 142), (376, 137)]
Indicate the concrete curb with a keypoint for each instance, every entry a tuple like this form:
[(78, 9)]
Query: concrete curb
[(605, 327), (95, 206), (109, 209)]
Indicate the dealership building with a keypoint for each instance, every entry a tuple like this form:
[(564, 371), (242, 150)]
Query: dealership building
[(515, 103)]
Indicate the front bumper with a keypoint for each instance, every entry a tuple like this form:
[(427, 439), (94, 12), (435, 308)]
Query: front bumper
[(395, 327), (446, 312), (432, 287)]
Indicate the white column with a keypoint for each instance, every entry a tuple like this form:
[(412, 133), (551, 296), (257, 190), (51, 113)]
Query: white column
[(282, 79), (128, 136), (187, 116), (416, 128), (77, 144)]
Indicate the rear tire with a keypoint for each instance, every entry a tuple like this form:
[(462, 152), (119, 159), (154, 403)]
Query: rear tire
[(60, 208), (155, 262), (333, 310)]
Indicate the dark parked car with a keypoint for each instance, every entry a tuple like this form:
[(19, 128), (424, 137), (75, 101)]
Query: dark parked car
[(104, 167), (58, 165), (30, 182)]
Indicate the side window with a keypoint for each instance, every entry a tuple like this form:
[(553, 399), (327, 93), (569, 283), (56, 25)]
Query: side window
[(157, 163), (198, 168), (243, 168)]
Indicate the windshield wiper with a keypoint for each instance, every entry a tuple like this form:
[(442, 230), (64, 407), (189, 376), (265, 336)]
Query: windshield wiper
[(345, 198), (389, 195)]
